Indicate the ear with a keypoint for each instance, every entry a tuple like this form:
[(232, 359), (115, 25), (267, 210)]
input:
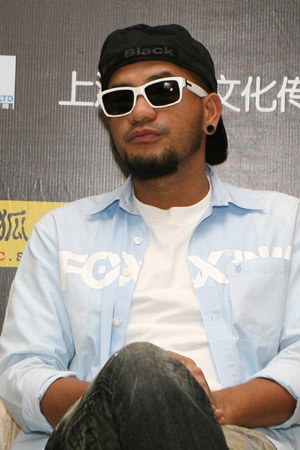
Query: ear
[(212, 108)]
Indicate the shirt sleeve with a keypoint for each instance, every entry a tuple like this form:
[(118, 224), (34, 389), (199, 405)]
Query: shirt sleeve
[(36, 344), (285, 367)]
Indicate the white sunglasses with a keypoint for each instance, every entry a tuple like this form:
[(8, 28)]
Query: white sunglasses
[(120, 101)]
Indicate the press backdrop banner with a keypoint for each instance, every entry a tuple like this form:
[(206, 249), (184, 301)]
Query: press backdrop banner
[(54, 147)]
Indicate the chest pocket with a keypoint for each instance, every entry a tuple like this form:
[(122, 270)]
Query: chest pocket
[(258, 293)]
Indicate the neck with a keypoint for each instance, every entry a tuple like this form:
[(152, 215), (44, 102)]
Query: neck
[(183, 188)]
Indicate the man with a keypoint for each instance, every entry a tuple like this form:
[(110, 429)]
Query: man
[(181, 290)]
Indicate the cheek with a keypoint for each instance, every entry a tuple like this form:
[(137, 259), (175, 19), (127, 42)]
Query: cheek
[(115, 130)]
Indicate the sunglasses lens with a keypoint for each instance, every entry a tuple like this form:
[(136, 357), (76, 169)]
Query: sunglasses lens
[(163, 92), (118, 102), (160, 93)]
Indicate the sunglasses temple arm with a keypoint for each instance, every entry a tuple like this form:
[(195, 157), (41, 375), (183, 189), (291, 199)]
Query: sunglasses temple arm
[(196, 89)]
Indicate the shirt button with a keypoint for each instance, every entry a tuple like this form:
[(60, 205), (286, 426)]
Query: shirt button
[(126, 272), (137, 240), (116, 321)]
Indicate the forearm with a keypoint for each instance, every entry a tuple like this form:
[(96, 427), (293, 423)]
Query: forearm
[(259, 403), (60, 396)]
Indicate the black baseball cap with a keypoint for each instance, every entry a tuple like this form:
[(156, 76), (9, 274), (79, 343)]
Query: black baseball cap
[(171, 43)]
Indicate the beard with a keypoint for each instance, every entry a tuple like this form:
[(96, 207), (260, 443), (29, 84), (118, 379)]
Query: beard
[(153, 166)]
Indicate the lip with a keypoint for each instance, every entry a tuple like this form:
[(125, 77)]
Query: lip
[(143, 135)]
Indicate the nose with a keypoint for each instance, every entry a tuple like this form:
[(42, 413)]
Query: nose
[(142, 111)]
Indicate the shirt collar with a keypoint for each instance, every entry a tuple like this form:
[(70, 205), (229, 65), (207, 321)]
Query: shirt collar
[(223, 194), (123, 195)]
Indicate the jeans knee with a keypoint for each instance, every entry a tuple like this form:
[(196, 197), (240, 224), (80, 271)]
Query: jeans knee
[(139, 350), (146, 366)]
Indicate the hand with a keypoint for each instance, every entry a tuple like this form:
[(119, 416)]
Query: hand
[(200, 377), (260, 402)]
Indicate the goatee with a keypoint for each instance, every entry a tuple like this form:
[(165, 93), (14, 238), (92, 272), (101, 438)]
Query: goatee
[(153, 166)]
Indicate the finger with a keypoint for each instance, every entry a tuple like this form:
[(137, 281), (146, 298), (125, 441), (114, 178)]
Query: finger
[(200, 377), (219, 414), (188, 362)]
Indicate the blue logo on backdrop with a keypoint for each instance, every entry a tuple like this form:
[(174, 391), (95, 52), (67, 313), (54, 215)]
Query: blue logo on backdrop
[(7, 81), (6, 98)]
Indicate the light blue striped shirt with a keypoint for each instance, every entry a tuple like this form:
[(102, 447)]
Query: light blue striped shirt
[(72, 294)]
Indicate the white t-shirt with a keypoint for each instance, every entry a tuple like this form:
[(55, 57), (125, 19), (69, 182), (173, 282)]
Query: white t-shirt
[(164, 308)]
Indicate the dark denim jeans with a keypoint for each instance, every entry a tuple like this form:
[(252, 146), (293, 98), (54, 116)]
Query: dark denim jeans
[(142, 399)]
